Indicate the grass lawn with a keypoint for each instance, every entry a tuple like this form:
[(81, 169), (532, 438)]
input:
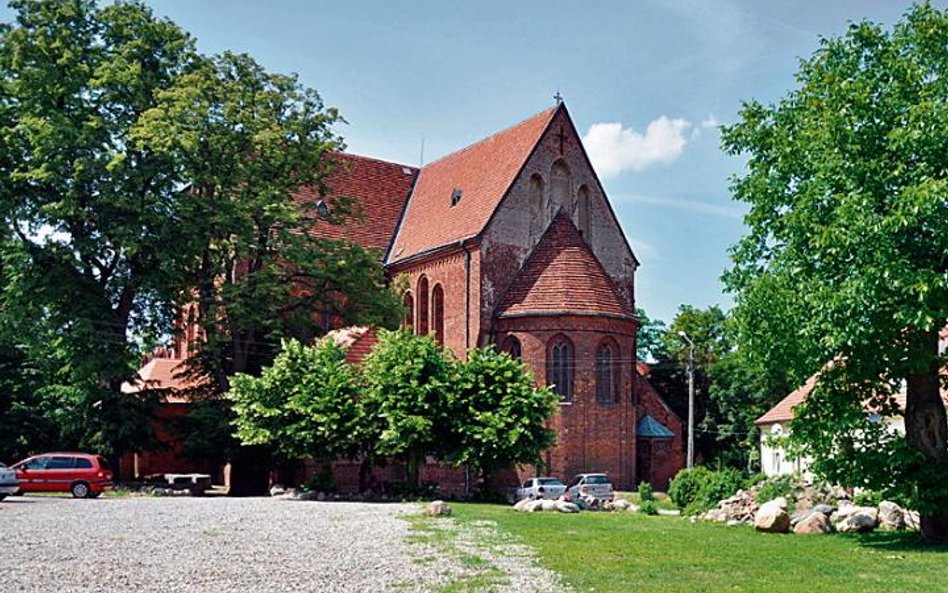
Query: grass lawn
[(621, 552)]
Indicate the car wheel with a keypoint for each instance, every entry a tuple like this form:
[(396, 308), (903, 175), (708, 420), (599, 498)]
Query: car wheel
[(80, 490)]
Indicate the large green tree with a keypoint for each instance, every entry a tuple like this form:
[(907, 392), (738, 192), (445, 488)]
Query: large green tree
[(411, 388), (844, 266), (245, 141), (304, 405), (501, 418), (89, 217)]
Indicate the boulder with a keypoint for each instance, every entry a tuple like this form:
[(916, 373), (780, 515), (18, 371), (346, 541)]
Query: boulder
[(437, 508), (777, 503), (719, 515), (607, 505), (633, 508), (740, 507), (307, 495), (823, 508), (734, 523), (621, 504), (912, 520), (770, 518), (534, 506), (548, 505), (856, 523), (277, 490), (669, 512), (891, 516), (566, 507), (521, 505), (813, 523)]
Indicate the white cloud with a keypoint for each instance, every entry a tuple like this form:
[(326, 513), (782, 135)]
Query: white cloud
[(614, 149), (710, 122)]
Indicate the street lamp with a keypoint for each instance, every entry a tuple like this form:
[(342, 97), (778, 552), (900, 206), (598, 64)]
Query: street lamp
[(690, 459)]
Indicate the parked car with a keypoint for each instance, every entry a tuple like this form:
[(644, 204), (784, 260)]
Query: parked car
[(542, 487), (82, 474), (8, 482), (595, 485)]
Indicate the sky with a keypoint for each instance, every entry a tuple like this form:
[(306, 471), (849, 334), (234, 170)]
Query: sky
[(647, 82)]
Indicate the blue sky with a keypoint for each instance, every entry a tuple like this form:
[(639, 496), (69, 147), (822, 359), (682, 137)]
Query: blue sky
[(661, 72)]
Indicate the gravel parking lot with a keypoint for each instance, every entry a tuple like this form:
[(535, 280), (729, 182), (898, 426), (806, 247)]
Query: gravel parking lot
[(207, 544)]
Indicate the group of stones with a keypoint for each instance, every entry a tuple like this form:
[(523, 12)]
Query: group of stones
[(585, 503), (844, 517)]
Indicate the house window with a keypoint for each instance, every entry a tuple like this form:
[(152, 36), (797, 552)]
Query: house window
[(437, 313), (607, 373), (559, 367), (422, 321), (409, 312), (512, 347), (560, 184)]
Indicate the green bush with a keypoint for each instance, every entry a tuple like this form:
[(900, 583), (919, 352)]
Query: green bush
[(686, 485), (320, 482), (721, 484), (648, 507), (776, 487), (646, 493), (867, 498)]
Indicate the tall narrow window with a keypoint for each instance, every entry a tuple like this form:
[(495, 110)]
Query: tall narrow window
[(422, 322), (559, 367), (560, 184), (537, 205), (409, 312), (583, 213), (512, 347), (607, 373), (437, 313)]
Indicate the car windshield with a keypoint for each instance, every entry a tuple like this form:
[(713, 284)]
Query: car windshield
[(550, 482), (597, 480)]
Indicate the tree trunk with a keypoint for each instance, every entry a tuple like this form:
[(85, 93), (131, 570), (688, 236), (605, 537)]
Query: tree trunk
[(926, 429)]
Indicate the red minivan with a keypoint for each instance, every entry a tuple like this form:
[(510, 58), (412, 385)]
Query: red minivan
[(82, 474)]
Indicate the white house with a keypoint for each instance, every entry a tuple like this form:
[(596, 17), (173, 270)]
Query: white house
[(774, 424)]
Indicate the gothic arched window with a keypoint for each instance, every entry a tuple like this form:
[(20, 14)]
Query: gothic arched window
[(512, 347), (560, 183), (607, 373), (537, 204), (559, 366), (422, 321), (583, 214), (437, 313), (409, 312)]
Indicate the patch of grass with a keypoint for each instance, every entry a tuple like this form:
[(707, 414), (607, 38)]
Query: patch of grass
[(439, 533), (618, 552)]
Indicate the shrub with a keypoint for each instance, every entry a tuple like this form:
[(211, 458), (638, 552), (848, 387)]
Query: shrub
[(776, 487), (720, 485), (648, 507), (686, 485), (646, 494), (320, 482), (867, 498)]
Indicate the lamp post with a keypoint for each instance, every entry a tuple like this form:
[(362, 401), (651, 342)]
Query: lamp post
[(690, 459)]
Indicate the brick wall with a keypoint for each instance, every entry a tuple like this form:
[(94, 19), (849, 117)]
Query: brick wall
[(590, 436)]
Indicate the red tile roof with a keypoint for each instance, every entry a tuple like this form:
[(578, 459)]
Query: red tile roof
[(356, 341), (162, 373), (380, 189), (783, 411), (483, 172), (563, 276)]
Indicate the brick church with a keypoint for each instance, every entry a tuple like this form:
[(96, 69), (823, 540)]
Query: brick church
[(511, 241)]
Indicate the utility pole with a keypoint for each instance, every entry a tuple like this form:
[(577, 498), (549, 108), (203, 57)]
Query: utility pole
[(690, 459)]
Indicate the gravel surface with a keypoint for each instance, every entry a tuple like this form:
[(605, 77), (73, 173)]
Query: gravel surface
[(211, 544)]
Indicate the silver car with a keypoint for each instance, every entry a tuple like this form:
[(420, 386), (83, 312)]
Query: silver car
[(594, 485), (543, 487), (8, 482)]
